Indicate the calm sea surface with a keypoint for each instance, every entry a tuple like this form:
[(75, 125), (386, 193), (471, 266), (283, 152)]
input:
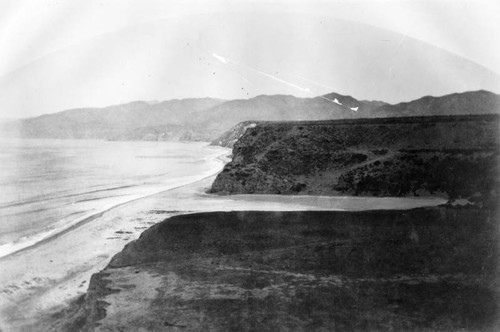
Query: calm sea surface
[(47, 186)]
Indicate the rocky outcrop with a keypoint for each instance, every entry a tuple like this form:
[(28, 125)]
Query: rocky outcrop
[(455, 156), (421, 269)]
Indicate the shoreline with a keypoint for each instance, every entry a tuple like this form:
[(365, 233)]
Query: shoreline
[(93, 217), (20, 284), (44, 290), (67, 285), (56, 209)]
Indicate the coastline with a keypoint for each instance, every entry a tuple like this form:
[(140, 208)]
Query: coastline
[(55, 278), (94, 216), (56, 207)]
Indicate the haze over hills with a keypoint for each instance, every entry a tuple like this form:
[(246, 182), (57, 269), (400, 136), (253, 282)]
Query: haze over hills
[(207, 118), (476, 102), (268, 53), (321, 108), (109, 122), (283, 108)]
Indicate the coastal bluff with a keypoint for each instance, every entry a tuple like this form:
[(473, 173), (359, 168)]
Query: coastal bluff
[(421, 269), (449, 156)]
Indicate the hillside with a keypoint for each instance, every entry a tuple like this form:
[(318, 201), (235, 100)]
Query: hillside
[(284, 108), (206, 119), (408, 270), (474, 102), (188, 119), (159, 133), (112, 121), (451, 156), (352, 57)]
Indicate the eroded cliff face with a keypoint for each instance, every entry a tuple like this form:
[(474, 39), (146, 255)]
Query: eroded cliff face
[(453, 156)]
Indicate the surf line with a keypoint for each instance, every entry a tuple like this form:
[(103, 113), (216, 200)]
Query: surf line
[(99, 214)]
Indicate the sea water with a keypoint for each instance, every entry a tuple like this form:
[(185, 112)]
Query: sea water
[(48, 186)]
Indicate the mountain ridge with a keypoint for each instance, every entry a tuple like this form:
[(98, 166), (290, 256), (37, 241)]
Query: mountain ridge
[(205, 119), (463, 103)]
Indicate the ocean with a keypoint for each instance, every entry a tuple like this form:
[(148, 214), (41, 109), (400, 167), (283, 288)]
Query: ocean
[(48, 186)]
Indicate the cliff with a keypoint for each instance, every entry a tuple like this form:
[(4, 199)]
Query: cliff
[(422, 269), (455, 156)]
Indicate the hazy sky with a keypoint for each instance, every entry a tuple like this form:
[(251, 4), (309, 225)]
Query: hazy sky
[(58, 54)]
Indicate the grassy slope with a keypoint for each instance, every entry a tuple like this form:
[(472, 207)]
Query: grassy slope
[(422, 269)]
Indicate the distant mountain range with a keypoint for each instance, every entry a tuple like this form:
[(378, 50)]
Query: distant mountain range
[(476, 102), (118, 121), (207, 118)]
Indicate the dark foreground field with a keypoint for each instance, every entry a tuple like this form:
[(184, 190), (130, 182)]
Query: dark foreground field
[(421, 269)]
